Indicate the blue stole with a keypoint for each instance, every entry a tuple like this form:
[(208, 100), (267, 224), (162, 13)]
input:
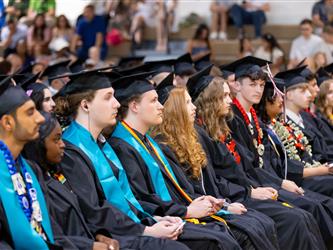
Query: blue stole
[(117, 192), (153, 167), (23, 235)]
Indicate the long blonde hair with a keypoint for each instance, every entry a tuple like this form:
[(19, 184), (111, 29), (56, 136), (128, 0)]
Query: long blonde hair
[(321, 101), (179, 134), (210, 109)]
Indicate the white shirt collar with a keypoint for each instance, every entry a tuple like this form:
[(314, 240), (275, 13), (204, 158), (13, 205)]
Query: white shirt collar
[(296, 118)]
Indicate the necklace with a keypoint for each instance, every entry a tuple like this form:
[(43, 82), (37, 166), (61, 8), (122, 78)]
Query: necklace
[(256, 141)]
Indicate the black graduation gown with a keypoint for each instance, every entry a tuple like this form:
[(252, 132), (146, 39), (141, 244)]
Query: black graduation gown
[(100, 214), (323, 127), (61, 241), (286, 219), (143, 188), (259, 227)]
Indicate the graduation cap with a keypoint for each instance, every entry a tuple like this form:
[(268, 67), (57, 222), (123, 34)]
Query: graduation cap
[(226, 70), (164, 88), (199, 81), (248, 66), (292, 77), (56, 69), (202, 62), (184, 65), (76, 66), (129, 86), (307, 73), (84, 81), (138, 69), (280, 84), (130, 61), (301, 63), (329, 68), (11, 97), (31, 86), (161, 65), (322, 75)]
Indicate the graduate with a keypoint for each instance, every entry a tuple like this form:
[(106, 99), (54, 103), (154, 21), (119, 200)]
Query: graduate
[(325, 103), (24, 216), (247, 133), (180, 143), (212, 97), (147, 168), (183, 69), (98, 179)]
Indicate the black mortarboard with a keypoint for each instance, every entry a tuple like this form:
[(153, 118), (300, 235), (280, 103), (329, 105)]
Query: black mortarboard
[(56, 69), (11, 97), (84, 81), (226, 70), (280, 84), (30, 85), (25, 79), (247, 66), (184, 65), (199, 81), (202, 62), (322, 75), (161, 65), (76, 66), (329, 68), (292, 77), (164, 88), (307, 73), (129, 86), (130, 61), (301, 63), (138, 69)]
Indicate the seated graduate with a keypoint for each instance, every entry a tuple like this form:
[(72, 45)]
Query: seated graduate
[(212, 98), (146, 166), (180, 143), (24, 217), (325, 102), (47, 151), (246, 130), (105, 201)]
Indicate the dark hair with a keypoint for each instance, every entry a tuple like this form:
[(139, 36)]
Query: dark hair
[(38, 98), (38, 32), (36, 150), (306, 21), (198, 32), (271, 40), (241, 43), (67, 25), (123, 110), (268, 96)]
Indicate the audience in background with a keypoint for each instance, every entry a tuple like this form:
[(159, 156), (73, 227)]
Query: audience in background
[(245, 47), (219, 10), (199, 45), (322, 14)]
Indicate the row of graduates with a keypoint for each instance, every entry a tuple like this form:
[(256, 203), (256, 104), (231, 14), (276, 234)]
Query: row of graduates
[(130, 187)]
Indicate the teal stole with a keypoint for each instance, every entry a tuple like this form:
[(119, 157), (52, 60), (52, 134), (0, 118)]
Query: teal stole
[(117, 192), (154, 170), (23, 235)]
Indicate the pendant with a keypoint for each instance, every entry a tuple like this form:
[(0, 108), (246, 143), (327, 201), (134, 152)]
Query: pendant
[(33, 194), (261, 162), (28, 178), (255, 143), (261, 149), (251, 129), (19, 185), (25, 202)]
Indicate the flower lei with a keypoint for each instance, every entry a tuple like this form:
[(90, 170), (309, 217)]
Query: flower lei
[(257, 141), (294, 141), (231, 145), (26, 193)]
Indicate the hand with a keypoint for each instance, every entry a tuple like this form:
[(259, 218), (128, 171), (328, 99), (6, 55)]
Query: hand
[(292, 187), (164, 230), (112, 244), (217, 203), (100, 246), (261, 193), (237, 208), (200, 207), (171, 219)]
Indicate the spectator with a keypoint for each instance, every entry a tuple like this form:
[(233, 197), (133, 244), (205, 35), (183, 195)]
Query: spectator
[(165, 16), (41, 6), (90, 31), (63, 29), (306, 45), (39, 36), (17, 8), (270, 50), (144, 15), (5, 67), (325, 101), (22, 52), (327, 44), (15, 61), (2, 14), (11, 34), (121, 16), (245, 47), (219, 11), (251, 12), (199, 45), (94, 61), (322, 13)]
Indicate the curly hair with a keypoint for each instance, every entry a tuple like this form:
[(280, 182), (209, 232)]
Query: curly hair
[(210, 109), (179, 134), (322, 96)]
